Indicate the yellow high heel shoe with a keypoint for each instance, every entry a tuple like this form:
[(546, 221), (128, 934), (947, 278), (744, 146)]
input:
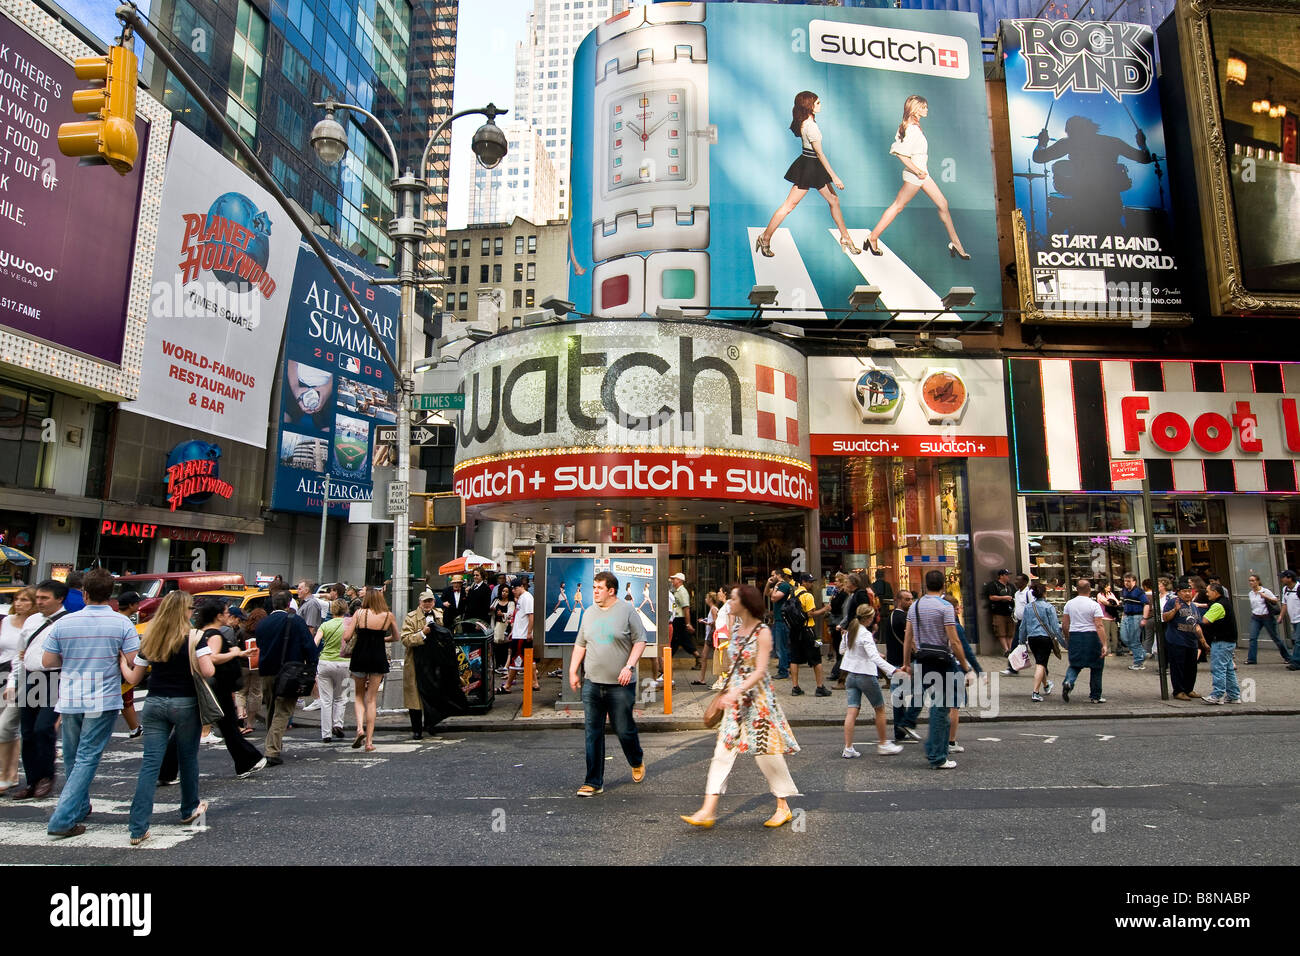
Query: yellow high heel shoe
[(698, 823), (775, 822)]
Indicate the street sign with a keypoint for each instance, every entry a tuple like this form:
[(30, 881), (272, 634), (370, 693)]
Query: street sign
[(386, 435), (398, 499), (1128, 469), (437, 401)]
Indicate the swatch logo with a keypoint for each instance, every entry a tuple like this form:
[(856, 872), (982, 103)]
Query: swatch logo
[(881, 48)]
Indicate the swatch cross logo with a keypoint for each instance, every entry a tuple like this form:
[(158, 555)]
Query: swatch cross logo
[(778, 405), (949, 59)]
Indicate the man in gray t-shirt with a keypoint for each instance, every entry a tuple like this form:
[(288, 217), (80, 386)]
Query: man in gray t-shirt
[(610, 641)]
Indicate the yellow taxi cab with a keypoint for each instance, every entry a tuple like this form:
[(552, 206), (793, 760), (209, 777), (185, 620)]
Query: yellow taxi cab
[(237, 595)]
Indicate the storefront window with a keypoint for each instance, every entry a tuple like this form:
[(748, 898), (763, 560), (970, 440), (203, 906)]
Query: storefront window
[(1284, 520), (904, 516), (22, 453), (18, 530), (118, 553), (185, 554), (1088, 536), (1189, 516)]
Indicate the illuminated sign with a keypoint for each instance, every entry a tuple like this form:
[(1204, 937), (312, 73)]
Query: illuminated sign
[(192, 474)]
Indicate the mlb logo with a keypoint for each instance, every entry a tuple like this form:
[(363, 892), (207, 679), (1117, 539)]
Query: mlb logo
[(778, 405), (350, 364)]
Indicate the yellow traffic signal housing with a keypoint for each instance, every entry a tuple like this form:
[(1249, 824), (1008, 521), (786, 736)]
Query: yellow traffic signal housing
[(111, 136)]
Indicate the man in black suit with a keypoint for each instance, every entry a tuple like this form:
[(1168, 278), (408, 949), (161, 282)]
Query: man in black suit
[(281, 638), (478, 598)]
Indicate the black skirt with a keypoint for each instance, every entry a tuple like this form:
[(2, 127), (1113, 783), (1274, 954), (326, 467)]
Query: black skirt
[(807, 172)]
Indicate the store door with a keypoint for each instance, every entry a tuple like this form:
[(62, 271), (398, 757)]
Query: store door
[(1249, 557), (1202, 555)]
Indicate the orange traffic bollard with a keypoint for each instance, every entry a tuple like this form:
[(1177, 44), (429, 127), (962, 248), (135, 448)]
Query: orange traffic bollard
[(527, 710), (668, 680)]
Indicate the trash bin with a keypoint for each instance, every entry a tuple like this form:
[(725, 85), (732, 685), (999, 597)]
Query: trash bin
[(474, 655)]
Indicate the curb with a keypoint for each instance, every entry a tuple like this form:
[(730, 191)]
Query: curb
[(674, 724)]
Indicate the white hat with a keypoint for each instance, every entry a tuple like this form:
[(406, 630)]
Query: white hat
[(426, 595), (677, 575)]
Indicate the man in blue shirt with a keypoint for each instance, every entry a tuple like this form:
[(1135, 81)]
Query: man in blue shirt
[(1135, 612), (87, 646)]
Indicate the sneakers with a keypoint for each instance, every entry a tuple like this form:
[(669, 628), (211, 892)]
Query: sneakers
[(1137, 667), (781, 677), (822, 691), (1047, 689), (1234, 700), (211, 738), (850, 752), (1065, 691), (587, 790), (1096, 700), (909, 733), (1008, 672), (1036, 697), (135, 733), (886, 750), (314, 705), (260, 765), (955, 748), (1212, 699), (946, 765), (796, 691)]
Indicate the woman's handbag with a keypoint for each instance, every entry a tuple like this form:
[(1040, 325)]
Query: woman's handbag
[(1019, 657), (713, 713), (349, 643), (210, 711)]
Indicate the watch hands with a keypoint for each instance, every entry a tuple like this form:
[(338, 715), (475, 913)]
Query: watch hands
[(652, 129)]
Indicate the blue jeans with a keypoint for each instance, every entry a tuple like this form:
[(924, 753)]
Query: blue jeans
[(939, 698), (614, 700), (161, 716), (1295, 644), (1085, 652), (1223, 672), (1267, 623), (1130, 632), (84, 738), (781, 638)]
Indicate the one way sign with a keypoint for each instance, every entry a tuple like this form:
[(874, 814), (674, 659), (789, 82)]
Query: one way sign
[(419, 436)]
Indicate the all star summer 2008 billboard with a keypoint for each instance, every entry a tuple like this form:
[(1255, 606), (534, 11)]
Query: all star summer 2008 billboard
[(813, 149)]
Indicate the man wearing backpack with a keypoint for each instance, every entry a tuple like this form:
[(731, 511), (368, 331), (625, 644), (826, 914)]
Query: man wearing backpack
[(778, 590), (802, 617), (931, 640)]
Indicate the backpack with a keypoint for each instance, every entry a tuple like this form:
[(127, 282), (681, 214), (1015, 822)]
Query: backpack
[(792, 610)]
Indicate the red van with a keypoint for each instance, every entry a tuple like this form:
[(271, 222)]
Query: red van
[(152, 588)]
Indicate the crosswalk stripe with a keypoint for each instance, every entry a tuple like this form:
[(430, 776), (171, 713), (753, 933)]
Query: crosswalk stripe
[(786, 271), (575, 620), (900, 287)]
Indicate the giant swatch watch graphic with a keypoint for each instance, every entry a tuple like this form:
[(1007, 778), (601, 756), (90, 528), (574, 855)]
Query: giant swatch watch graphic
[(650, 176)]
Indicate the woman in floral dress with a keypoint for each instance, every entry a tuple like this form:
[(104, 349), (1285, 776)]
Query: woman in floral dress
[(753, 722)]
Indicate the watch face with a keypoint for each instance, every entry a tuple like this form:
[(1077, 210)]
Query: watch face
[(647, 137)]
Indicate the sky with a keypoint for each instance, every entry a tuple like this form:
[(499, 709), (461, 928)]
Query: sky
[(485, 72)]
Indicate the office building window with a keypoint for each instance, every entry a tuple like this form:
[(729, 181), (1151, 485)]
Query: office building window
[(464, 275), (193, 31), (451, 254), (532, 271), (519, 270), (464, 247), (245, 86), (518, 298), (486, 249), (519, 245), (496, 272), (464, 304), (530, 298), (532, 245), (483, 274), (498, 246), (22, 453)]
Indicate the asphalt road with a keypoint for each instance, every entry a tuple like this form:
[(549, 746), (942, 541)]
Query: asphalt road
[(1209, 790)]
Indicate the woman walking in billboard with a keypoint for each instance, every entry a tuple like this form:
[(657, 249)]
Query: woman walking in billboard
[(912, 149), (812, 170)]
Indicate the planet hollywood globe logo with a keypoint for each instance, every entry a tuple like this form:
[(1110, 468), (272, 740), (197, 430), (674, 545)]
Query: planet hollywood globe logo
[(193, 475), (232, 241)]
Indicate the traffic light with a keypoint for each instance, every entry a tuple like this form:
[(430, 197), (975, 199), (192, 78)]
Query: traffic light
[(111, 137)]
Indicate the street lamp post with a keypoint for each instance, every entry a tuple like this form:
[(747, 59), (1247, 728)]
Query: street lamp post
[(407, 229)]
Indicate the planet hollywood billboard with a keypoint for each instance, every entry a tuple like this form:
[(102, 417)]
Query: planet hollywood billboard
[(634, 409)]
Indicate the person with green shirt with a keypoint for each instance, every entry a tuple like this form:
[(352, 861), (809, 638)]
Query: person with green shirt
[(610, 641), (1220, 627)]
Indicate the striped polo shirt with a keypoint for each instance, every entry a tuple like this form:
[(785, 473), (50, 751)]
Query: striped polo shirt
[(89, 643)]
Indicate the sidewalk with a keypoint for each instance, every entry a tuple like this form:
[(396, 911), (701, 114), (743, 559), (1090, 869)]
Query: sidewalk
[(1275, 691)]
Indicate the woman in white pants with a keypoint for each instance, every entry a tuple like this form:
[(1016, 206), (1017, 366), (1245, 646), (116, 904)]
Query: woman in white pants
[(332, 676), (753, 722)]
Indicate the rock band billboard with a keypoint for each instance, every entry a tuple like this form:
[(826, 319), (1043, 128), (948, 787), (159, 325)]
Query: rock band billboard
[(684, 119), (1089, 164)]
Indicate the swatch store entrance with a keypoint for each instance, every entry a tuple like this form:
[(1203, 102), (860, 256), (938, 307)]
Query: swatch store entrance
[(688, 434), (899, 444)]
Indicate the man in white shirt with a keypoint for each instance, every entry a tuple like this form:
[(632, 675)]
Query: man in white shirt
[(1023, 597), (1084, 623), (521, 632), (1291, 601)]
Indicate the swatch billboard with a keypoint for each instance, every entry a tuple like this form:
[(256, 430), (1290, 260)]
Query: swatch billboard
[(336, 389), (1089, 163), (686, 116)]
